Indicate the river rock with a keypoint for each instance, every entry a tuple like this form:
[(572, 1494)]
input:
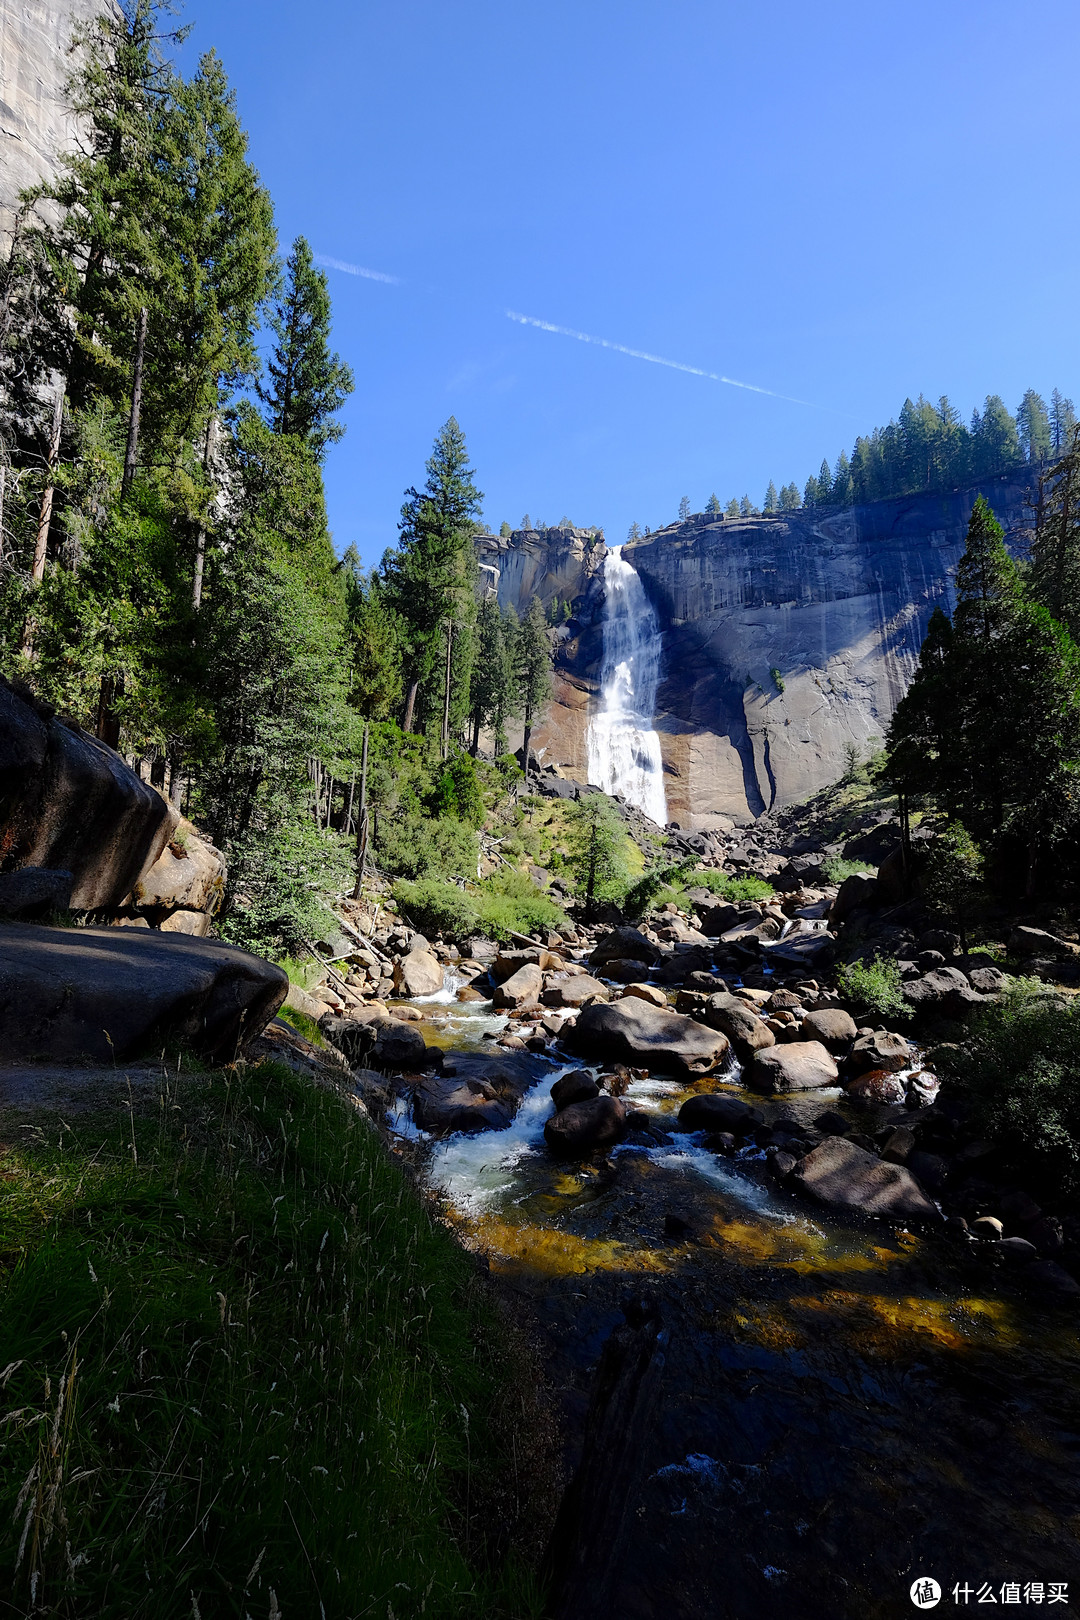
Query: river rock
[(622, 943), (747, 1032), (811, 953), (417, 974), (1049, 1275), (636, 1032), (679, 965), (881, 1050), (877, 1086), (792, 1066), (577, 1086), (1035, 942), (574, 992), (442, 1104), (624, 970), (647, 992), (843, 1176), (467, 993), (945, 991), (832, 1026), (584, 1126), (718, 919), (106, 994), (398, 1046), (718, 1111), (521, 988)]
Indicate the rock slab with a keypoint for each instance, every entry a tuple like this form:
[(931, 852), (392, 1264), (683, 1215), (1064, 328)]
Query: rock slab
[(634, 1031), (844, 1176)]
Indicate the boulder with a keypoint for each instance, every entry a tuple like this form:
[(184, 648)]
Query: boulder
[(69, 803), (945, 992), (1035, 942), (679, 965), (442, 1103), (417, 974), (194, 923), (585, 1126), (624, 970), (792, 1066), (718, 1111), (508, 962), (398, 1046), (636, 1032), (832, 1026), (189, 874), (574, 992), (858, 892), (521, 988), (881, 1050), (810, 953), (34, 890), (877, 1086), (718, 919), (988, 981), (577, 1086), (744, 1029), (300, 1001), (841, 1175), (622, 943), (108, 994), (647, 992)]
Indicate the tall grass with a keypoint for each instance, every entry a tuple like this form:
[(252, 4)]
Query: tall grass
[(243, 1373)]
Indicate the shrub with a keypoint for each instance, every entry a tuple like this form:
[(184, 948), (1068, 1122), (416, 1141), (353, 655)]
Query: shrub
[(510, 902), (415, 846), (873, 986), (458, 793), (778, 679), (737, 890), (836, 869), (655, 887), (437, 907), (1020, 1068)]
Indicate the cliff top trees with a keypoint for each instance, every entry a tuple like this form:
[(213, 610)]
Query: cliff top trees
[(684, 509), (712, 506), (307, 383), (429, 578)]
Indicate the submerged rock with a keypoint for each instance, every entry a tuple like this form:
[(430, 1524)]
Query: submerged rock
[(636, 1032), (844, 1176)]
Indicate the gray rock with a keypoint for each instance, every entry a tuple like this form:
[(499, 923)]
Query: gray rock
[(398, 1046), (624, 970), (622, 943), (634, 1032), (575, 991), (1016, 1250), (843, 1176), (106, 994), (34, 890), (521, 988), (586, 1126), (858, 892), (744, 1029), (718, 1111), (577, 1086), (881, 1050), (717, 919), (417, 974), (188, 875), (832, 1027), (945, 991), (1035, 942), (792, 1066), (677, 966), (443, 1104), (877, 1086), (810, 953), (1049, 1275)]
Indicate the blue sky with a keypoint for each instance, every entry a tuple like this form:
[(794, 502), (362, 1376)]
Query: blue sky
[(842, 203)]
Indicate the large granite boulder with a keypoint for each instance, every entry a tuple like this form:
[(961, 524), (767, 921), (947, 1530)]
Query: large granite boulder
[(474, 1091), (68, 802), (792, 1066), (521, 989), (744, 1029), (831, 1026), (585, 1126), (944, 992), (188, 875), (842, 1175), (574, 991), (633, 1031), (622, 944), (33, 891), (417, 974), (105, 994), (718, 1111)]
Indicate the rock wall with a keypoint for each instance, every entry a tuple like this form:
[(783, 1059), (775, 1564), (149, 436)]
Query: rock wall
[(35, 126), (836, 604)]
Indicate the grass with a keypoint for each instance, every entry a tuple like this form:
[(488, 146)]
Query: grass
[(244, 1373), (836, 869), (303, 1025)]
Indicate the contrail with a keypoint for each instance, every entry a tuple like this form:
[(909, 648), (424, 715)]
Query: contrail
[(655, 359), (355, 269)]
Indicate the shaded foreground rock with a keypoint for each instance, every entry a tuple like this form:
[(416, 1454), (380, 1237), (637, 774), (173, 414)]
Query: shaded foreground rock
[(792, 1066), (636, 1032), (844, 1176), (599, 1122), (109, 993), (715, 1111)]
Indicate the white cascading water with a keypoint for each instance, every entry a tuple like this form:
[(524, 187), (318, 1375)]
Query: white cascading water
[(624, 750)]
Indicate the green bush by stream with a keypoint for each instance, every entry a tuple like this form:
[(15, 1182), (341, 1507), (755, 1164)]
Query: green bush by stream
[(244, 1372)]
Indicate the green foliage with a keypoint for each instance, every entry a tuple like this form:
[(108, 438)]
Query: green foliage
[(457, 792), (436, 906), (874, 987), (308, 384), (952, 877), (1019, 1067), (192, 1435), (504, 904), (778, 680), (736, 890), (836, 869), (595, 852), (420, 846), (303, 1025), (532, 653), (655, 886)]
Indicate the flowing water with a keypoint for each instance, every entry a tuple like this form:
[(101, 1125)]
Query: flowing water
[(624, 749), (844, 1406)]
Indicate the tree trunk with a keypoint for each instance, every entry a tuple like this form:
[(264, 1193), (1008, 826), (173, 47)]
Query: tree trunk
[(200, 543), (41, 544), (136, 404), (347, 829), (108, 726), (526, 743), (361, 820), (410, 706), (475, 749), (446, 689)]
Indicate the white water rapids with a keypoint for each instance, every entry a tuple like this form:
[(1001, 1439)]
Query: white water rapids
[(624, 749)]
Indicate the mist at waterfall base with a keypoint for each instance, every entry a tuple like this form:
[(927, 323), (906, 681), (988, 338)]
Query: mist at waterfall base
[(623, 748)]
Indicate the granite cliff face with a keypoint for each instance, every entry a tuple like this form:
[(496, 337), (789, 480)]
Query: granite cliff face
[(836, 604), (35, 125)]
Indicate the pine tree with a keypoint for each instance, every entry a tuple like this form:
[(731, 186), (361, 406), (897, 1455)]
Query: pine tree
[(1056, 549), (505, 530), (374, 636), (492, 694), (731, 510), (1062, 422), (633, 532), (1033, 427), (526, 522), (595, 843), (824, 485), (712, 506), (997, 444), (790, 499), (429, 578), (533, 670), (771, 499), (746, 507), (810, 493), (308, 384), (842, 489), (684, 509)]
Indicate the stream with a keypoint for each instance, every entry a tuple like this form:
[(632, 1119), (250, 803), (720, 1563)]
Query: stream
[(843, 1406)]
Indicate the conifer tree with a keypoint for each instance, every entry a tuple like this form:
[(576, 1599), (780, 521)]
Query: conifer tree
[(746, 508), (732, 508), (374, 636), (771, 499), (633, 532), (684, 509), (824, 485), (595, 850), (1033, 427), (1062, 422), (492, 693), (712, 506), (810, 493), (307, 383), (533, 660), (1056, 549), (842, 489), (429, 578)]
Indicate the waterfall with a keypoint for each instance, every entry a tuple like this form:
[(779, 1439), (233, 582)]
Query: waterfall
[(624, 750)]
